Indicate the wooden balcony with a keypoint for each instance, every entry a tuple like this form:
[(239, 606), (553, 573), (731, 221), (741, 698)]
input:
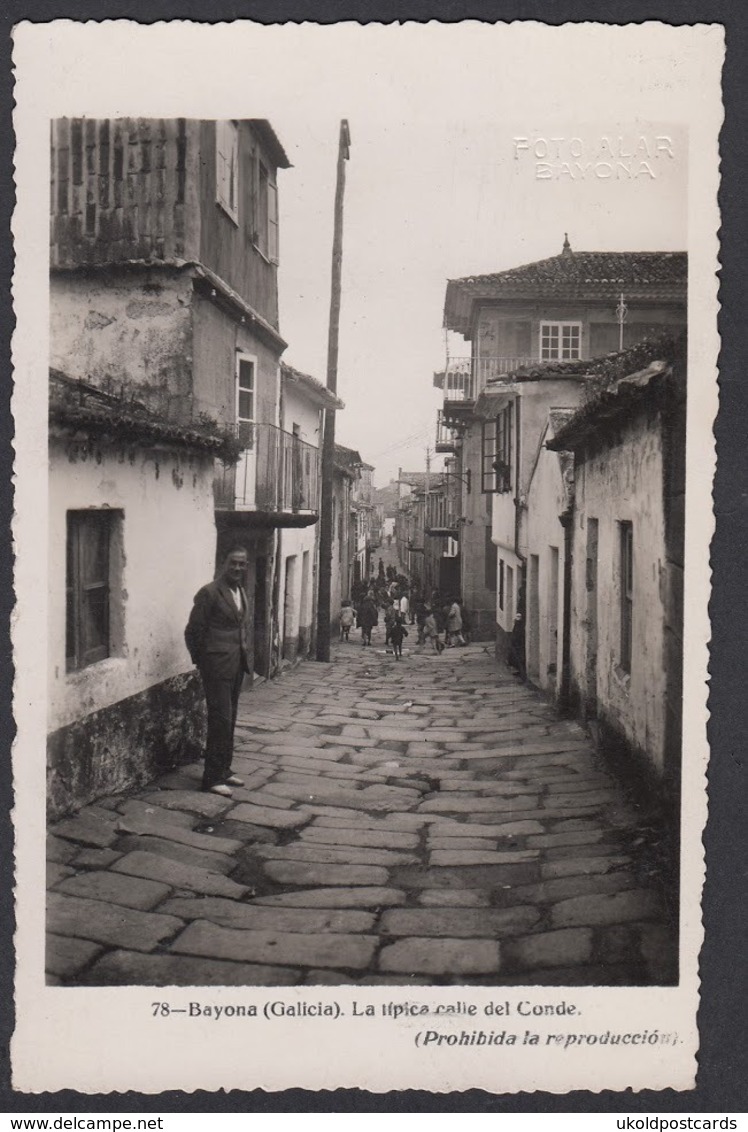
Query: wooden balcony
[(275, 482)]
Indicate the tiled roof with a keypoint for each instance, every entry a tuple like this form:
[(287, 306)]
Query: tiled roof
[(347, 459), (581, 276), (632, 378), (319, 393), (81, 407)]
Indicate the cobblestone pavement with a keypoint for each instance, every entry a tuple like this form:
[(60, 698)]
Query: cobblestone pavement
[(429, 821)]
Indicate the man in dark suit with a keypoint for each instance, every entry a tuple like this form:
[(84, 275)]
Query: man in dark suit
[(217, 636)]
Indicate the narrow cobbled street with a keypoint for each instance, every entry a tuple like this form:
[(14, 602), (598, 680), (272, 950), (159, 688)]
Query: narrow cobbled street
[(428, 821)]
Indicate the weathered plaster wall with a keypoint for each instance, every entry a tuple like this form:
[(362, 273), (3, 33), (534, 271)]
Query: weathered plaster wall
[(622, 481), (114, 723), (301, 543), (542, 534), (160, 496), (122, 329), (217, 338), (474, 532), (513, 330), (126, 744)]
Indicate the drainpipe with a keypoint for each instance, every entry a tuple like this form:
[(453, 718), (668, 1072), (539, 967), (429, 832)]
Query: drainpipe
[(567, 522)]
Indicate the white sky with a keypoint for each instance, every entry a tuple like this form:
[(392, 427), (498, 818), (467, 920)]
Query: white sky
[(426, 201)]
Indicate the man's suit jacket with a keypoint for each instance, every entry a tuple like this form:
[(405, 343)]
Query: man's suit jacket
[(217, 633)]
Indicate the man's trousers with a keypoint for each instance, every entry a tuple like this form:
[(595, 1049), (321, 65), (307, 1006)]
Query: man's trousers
[(222, 700)]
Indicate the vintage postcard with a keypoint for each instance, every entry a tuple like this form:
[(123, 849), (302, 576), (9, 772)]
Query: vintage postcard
[(364, 389)]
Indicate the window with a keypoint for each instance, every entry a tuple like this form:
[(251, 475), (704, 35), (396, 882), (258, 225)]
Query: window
[(560, 341), (88, 584), (245, 400), (496, 453), (227, 168), (266, 218), (501, 583), (491, 559), (627, 594)]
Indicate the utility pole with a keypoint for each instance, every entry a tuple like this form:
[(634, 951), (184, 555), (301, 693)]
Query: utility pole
[(328, 446)]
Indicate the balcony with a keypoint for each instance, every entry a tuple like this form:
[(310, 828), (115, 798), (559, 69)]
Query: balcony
[(446, 436), (464, 378), (275, 482), (442, 511)]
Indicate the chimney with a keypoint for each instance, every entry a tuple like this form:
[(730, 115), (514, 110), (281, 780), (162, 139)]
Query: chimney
[(566, 250)]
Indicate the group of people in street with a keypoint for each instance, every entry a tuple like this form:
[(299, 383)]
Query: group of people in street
[(218, 635), (440, 622)]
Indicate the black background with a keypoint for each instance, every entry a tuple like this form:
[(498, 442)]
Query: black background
[(722, 1084)]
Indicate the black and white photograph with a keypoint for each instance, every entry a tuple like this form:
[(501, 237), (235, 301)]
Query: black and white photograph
[(361, 458)]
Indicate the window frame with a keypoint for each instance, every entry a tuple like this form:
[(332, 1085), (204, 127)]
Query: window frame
[(227, 168), (560, 325), (626, 578), (497, 437), (79, 586), (247, 359)]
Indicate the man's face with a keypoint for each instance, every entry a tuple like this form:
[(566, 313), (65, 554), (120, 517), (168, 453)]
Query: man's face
[(236, 564)]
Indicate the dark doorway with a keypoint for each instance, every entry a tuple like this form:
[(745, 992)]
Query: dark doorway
[(261, 657)]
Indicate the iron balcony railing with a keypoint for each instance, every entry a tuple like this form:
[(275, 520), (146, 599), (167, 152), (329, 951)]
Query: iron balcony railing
[(464, 378), (277, 472)]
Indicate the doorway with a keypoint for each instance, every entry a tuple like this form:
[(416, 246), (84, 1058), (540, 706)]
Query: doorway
[(591, 584)]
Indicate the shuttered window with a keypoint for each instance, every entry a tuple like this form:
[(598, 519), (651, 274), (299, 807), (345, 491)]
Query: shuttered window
[(227, 168), (496, 453), (88, 585)]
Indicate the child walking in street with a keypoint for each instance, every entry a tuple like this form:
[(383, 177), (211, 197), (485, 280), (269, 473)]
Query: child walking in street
[(397, 632), (347, 617), (431, 630)]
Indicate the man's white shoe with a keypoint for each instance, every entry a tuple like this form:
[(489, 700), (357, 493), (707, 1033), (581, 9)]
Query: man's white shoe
[(234, 780), (219, 788)]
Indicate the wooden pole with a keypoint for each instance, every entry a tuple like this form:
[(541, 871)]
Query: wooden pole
[(328, 446)]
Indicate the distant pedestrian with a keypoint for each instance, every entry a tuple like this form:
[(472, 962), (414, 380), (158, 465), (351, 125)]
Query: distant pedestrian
[(347, 618), (368, 617), (217, 638), (397, 632), (390, 616), (403, 605), (454, 625), (420, 615), (466, 622), (431, 630)]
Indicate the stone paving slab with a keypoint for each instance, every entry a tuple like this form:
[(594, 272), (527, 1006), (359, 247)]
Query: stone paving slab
[(311, 853), (264, 815), (174, 873), (361, 897), (233, 914), (468, 922), (192, 801), (66, 956), (441, 957), (115, 889), (296, 873), (107, 923), (88, 829), (162, 819), (185, 854), (353, 952), (133, 968)]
